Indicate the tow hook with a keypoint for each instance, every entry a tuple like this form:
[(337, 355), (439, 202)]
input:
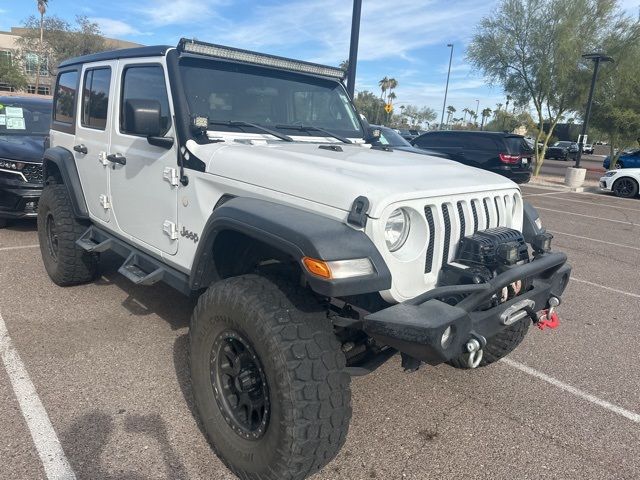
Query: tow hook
[(474, 354), (549, 318)]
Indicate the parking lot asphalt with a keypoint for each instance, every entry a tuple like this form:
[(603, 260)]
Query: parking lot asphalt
[(108, 361)]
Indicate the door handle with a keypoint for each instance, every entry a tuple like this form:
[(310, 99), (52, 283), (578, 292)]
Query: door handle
[(117, 158), (80, 148)]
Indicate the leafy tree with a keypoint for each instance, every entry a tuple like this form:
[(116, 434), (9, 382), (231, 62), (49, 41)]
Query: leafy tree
[(533, 49), (369, 105), (61, 39), (11, 74), (616, 108)]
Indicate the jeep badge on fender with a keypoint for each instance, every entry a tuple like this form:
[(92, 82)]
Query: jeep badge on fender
[(317, 256)]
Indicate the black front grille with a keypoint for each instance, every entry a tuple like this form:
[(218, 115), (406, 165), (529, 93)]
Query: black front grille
[(497, 210), (432, 240), (485, 202), (463, 225), (475, 216), (447, 234), (33, 172)]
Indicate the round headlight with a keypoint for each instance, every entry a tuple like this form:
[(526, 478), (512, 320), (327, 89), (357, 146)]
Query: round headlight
[(397, 229)]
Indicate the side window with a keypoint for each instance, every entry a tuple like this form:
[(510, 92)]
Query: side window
[(144, 83), (65, 97), (480, 142), (95, 98), (430, 141)]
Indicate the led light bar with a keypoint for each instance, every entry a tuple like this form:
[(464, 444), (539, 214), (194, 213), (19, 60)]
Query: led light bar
[(254, 58)]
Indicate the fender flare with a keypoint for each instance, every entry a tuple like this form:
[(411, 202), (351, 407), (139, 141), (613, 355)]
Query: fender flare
[(297, 233), (64, 161)]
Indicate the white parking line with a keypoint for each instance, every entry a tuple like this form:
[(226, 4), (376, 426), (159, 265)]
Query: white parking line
[(634, 417), (555, 232), (622, 292), (3, 249), (54, 461), (588, 216), (593, 204), (542, 194)]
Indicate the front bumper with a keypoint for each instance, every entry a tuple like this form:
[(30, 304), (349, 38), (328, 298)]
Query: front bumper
[(606, 183), (19, 199), (517, 173), (415, 327)]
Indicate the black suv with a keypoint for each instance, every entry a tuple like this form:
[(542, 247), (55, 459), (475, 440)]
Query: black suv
[(504, 153), (24, 130)]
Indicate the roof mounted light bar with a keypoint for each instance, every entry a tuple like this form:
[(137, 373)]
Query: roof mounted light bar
[(254, 58)]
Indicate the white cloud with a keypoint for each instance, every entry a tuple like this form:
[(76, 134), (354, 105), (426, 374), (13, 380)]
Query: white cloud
[(179, 12), (387, 30), (115, 28)]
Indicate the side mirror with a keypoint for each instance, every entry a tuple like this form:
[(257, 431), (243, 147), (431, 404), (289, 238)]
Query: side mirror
[(373, 135), (142, 117)]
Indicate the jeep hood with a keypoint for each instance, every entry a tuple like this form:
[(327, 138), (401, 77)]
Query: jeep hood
[(335, 174)]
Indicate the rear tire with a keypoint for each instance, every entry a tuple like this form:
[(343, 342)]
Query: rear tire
[(290, 365), (499, 346), (625, 187), (58, 230)]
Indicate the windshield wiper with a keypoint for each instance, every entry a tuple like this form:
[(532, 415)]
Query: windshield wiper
[(234, 123), (306, 128)]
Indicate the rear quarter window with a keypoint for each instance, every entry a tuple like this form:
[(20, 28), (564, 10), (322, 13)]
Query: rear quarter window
[(517, 146)]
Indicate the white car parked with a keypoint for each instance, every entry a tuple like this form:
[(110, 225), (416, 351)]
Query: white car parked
[(623, 183)]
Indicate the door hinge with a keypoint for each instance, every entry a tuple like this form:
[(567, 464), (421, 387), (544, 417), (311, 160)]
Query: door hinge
[(171, 176), (102, 158), (104, 201), (170, 229)]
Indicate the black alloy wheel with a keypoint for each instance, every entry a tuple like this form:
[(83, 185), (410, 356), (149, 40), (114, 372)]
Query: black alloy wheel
[(625, 188), (239, 385)]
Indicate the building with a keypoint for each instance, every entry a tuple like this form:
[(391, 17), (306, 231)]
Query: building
[(8, 51)]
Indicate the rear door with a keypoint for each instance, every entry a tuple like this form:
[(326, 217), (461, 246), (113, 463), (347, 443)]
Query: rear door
[(94, 124)]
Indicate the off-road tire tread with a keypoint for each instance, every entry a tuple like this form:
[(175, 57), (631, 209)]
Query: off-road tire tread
[(74, 265), (289, 320), (500, 345)]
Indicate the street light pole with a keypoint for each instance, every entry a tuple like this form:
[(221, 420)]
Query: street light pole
[(597, 59), (446, 89), (353, 50)]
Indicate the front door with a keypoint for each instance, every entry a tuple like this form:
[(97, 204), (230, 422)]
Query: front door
[(94, 124), (143, 197)]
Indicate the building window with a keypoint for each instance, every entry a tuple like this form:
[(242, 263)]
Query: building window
[(42, 89), (31, 64), (5, 57)]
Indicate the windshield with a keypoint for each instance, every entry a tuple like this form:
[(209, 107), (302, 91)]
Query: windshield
[(18, 118), (275, 99), (391, 138)]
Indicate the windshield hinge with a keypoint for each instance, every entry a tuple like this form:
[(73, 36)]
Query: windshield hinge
[(171, 176), (170, 229)]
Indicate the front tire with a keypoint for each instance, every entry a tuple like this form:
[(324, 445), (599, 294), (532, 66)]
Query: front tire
[(625, 187), (268, 378), (58, 229)]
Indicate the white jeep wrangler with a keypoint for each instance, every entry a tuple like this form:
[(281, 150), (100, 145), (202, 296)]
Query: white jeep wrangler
[(247, 179)]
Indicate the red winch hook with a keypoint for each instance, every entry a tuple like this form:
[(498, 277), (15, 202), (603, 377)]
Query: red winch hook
[(548, 321)]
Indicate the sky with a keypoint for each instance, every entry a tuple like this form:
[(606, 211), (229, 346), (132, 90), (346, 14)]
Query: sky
[(404, 39)]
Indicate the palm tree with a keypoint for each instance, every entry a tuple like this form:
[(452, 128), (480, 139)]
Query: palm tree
[(465, 111), (498, 106), (384, 85), (391, 97), (42, 8), (450, 111), (486, 113)]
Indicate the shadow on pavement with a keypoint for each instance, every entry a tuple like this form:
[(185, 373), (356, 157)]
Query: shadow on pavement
[(86, 441)]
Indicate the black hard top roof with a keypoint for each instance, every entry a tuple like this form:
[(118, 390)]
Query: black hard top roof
[(154, 51)]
